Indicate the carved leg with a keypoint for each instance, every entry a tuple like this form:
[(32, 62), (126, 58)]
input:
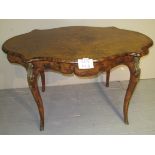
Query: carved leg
[(32, 81), (43, 80), (134, 78), (107, 78)]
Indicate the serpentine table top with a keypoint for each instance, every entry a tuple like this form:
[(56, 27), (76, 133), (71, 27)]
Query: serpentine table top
[(71, 43), (60, 49)]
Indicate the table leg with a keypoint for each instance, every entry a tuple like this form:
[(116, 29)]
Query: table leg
[(134, 78), (107, 78), (32, 75), (42, 73)]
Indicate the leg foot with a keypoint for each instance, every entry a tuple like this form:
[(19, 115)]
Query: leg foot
[(126, 121), (41, 126)]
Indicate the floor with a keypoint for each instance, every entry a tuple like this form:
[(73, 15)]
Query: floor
[(85, 109)]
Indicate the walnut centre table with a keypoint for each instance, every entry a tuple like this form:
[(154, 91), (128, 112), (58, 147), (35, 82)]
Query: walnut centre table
[(65, 49)]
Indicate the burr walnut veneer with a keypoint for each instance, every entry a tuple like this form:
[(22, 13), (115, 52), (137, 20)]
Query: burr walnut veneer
[(59, 49)]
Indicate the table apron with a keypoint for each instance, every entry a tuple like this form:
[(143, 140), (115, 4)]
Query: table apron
[(72, 68)]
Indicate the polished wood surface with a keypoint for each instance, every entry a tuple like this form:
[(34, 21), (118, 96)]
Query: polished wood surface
[(59, 49), (71, 43)]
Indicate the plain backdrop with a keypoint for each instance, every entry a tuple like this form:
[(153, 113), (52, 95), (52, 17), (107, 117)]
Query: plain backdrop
[(14, 76)]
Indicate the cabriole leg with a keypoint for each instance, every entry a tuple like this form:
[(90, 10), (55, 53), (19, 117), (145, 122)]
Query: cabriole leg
[(134, 78), (32, 75), (107, 78)]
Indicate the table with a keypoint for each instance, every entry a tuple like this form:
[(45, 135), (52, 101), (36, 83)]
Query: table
[(59, 49)]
